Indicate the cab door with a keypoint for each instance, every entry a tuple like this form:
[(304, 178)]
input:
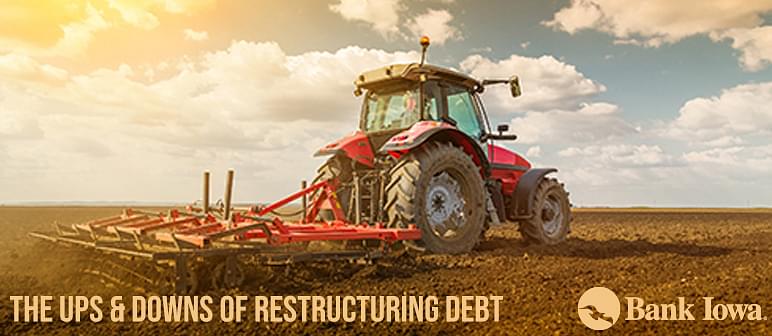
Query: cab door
[(462, 109)]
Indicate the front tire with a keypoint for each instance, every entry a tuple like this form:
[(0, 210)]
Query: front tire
[(550, 216), (439, 189), (337, 167)]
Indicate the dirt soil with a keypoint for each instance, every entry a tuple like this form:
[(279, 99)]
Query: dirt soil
[(655, 254)]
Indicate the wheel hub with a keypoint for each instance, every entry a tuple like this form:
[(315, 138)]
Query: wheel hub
[(551, 216), (444, 205)]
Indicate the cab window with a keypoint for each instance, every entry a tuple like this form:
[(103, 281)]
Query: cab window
[(461, 109), (397, 108), (391, 110)]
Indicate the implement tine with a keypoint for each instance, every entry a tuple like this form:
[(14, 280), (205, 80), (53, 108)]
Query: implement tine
[(138, 240), (94, 236), (60, 231), (176, 242)]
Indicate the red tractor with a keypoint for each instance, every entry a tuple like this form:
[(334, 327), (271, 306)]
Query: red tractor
[(424, 154), (422, 169)]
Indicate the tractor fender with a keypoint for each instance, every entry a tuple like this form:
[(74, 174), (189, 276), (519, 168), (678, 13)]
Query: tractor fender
[(354, 146), (429, 131), (522, 199)]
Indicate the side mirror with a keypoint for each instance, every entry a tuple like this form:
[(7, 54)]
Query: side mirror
[(514, 86), (502, 128), (501, 136)]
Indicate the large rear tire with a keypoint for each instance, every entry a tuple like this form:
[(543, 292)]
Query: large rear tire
[(550, 216), (336, 167), (438, 188)]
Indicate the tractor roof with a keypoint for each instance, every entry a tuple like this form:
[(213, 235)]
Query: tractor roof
[(411, 72)]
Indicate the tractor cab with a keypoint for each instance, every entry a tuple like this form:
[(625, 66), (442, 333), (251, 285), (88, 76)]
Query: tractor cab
[(396, 97), (424, 155), (403, 102)]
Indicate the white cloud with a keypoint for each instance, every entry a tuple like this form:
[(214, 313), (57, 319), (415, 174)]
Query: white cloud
[(381, 15), (135, 13), (608, 173), (481, 50), (192, 35), (727, 161), (590, 123), (580, 15), (141, 14), (755, 44), (547, 83), (78, 35), (435, 24), (731, 165), (715, 155), (262, 111), (556, 102), (321, 80), (21, 66), (251, 106), (387, 18), (79, 22), (737, 162), (185, 6), (621, 155), (724, 141), (743, 110), (534, 152), (652, 23), (17, 125), (658, 21)]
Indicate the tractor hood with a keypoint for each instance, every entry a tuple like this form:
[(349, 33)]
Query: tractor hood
[(502, 157)]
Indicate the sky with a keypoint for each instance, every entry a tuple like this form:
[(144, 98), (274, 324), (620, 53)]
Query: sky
[(648, 103)]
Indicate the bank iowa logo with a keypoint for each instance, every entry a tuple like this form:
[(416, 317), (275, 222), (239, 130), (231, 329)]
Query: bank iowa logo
[(599, 308)]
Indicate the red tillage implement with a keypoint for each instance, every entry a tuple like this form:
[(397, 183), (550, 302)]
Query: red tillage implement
[(179, 236)]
